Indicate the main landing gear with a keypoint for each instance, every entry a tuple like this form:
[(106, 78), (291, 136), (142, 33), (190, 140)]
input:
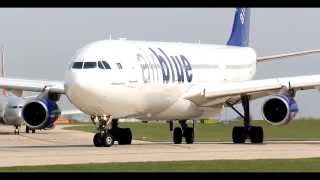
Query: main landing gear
[(183, 131), (28, 130), (108, 132), (240, 134), (17, 129)]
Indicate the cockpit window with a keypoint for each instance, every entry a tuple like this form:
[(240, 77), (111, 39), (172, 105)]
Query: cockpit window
[(106, 65), (119, 65), (89, 65), (100, 65), (77, 65)]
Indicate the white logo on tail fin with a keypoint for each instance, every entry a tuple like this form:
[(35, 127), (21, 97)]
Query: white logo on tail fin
[(242, 15)]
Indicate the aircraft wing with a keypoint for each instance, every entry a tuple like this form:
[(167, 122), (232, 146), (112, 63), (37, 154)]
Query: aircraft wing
[(286, 55), (31, 85), (209, 95)]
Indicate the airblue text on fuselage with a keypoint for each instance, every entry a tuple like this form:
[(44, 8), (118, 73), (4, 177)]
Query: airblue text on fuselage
[(173, 68)]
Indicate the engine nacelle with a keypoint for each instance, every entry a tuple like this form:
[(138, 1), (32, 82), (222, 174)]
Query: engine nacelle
[(40, 113), (279, 110)]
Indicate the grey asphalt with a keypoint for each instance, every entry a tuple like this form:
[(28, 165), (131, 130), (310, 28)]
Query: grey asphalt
[(60, 146)]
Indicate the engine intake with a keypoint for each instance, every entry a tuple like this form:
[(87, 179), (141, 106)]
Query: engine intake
[(279, 110), (40, 113)]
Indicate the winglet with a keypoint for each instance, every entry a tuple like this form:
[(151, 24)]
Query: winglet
[(240, 30)]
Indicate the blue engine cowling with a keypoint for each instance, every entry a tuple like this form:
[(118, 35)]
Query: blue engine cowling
[(279, 109), (40, 113)]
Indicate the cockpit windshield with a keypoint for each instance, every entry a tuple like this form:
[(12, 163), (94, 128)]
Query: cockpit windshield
[(77, 65), (106, 65), (100, 65), (89, 65)]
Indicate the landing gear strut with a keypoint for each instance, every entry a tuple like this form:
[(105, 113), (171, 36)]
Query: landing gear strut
[(108, 132), (183, 131), (241, 133), (28, 130), (16, 130)]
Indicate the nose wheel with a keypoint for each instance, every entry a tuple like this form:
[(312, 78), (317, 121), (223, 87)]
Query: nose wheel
[(99, 140), (108, 132), (103, 140)]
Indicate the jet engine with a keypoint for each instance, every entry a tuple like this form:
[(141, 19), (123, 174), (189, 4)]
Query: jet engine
[(40, 113), (279, 109)]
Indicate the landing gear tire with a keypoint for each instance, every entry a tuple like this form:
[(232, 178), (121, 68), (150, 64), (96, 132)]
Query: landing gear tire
[(16, 130), (238, 135), (189, 135), (27, 129), (33, 131), (109, 141), (125, 136), (177, 135), (99, 140), (256, 134)]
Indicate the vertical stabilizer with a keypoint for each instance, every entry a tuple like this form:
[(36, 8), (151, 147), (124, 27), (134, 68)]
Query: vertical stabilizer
[(2, 72), (4, 92), (241, 28)]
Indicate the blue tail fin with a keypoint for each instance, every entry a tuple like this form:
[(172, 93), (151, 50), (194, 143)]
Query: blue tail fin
[(240, 29)]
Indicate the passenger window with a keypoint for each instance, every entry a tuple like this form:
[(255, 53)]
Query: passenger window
[(89, 65), (119, 65), (77, 65), (106, 65), (100, 65)]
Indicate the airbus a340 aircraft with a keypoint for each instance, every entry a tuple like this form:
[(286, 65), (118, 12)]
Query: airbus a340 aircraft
[(11, 104), (112, 79)]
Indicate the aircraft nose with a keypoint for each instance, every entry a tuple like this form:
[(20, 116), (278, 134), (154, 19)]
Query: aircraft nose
[(77, 84), (73, 81)]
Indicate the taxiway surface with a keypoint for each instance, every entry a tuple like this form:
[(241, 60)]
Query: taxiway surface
[(60, 146)]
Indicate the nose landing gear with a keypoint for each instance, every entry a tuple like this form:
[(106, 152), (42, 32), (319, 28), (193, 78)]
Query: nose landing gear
[(108, 132)]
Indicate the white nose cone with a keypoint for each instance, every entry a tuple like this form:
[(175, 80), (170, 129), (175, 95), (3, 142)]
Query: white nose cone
[(78, 88)]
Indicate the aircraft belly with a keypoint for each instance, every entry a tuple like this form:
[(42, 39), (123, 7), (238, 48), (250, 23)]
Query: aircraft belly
[(123, 101), (182, 109)]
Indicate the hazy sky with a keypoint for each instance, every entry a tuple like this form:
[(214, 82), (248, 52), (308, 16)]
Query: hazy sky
[(40, 42)]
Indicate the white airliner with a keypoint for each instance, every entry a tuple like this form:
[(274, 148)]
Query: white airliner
[(12, 103), (112, 79)]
